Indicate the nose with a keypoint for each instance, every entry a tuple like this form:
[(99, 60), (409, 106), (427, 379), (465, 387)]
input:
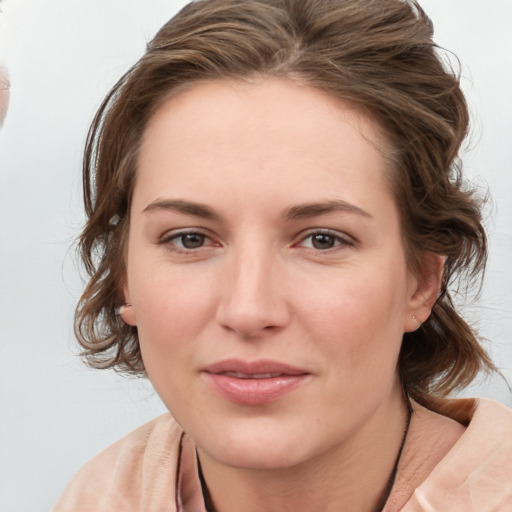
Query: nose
[(253, 302)]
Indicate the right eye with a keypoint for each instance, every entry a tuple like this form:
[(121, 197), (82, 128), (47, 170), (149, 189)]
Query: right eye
[(185, 241)]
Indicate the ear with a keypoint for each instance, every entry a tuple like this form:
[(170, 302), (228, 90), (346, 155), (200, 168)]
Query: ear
[(127, 311), (424, 290)]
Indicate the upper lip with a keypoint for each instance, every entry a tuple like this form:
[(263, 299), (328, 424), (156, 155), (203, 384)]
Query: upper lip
[(249, 368)]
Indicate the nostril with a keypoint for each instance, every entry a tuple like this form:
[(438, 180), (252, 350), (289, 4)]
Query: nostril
[(248, 335)]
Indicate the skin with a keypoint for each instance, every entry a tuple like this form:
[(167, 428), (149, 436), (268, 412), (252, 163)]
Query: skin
[(257, 285), (4, 93)]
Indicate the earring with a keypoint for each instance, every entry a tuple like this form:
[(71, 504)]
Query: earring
[(416, 320), (120, 309)]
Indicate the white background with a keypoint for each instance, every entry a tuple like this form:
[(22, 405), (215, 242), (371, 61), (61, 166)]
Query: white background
[(63, 56)]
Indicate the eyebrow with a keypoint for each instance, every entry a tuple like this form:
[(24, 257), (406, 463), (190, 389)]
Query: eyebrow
[(309, 210), (302, 211), (184, 207)]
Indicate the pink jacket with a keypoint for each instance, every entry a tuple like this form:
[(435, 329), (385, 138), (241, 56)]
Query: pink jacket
[(154, 469)]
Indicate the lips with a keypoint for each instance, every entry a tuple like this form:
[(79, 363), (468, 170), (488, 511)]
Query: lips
[(254, 383), (239, 375)]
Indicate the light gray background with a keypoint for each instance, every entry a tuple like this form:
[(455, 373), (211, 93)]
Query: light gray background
[(63, 55)]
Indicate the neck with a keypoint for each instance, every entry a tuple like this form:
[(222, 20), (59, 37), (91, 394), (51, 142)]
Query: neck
[(350, 477)]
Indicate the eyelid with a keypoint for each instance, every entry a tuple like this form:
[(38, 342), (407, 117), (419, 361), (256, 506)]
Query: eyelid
[(343, 238), (174, 234)]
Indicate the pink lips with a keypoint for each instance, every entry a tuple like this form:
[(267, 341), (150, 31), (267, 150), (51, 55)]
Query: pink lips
[(253, 383)]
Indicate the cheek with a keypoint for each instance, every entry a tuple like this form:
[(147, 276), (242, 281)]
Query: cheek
[(360, 320), (172, 310), (364, 299)]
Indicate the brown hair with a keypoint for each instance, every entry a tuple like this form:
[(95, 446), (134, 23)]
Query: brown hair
[(377, 54)]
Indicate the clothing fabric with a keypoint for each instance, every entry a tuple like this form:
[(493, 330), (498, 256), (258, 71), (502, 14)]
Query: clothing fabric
[(154, 469)]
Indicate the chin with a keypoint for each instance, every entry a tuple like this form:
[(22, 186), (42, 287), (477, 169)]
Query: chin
[(258, 448), (258, 458)]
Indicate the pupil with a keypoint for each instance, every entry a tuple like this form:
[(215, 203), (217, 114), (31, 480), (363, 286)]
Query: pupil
[(323, 241), (192, 240)]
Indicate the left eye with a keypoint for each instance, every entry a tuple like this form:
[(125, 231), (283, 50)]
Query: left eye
[(192, 240), (323, 241)]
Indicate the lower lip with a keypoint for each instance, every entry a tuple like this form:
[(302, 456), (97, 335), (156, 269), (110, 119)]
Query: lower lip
[(254, 391)]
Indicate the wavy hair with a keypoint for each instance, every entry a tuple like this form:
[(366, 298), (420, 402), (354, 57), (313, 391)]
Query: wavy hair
[(376, 54)]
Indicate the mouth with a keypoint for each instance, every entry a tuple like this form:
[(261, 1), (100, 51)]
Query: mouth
[(254, 383), (239, 375)]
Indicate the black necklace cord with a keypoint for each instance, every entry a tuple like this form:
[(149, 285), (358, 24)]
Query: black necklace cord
[(385, 494), (392, 477)]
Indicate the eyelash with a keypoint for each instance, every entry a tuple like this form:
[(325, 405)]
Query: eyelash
[(339, 240), (169, 238)]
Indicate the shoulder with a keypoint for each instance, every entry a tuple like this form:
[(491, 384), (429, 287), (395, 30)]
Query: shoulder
[(475, 474), (119, 478)]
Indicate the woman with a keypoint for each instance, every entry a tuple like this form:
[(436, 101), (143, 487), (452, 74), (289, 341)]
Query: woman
[(275, 212)]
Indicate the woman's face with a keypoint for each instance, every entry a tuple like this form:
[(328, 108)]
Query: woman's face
[(266, 271)]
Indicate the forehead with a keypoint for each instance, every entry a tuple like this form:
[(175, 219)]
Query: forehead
[(270, 101), (264, 135)]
